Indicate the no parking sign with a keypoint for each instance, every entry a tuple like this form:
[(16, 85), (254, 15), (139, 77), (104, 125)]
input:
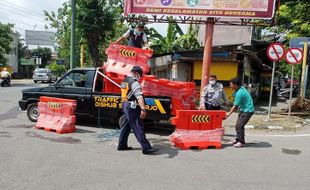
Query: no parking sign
[(275, 51), (293, 56)]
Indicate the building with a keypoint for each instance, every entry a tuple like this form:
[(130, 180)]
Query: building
[(228, 61)]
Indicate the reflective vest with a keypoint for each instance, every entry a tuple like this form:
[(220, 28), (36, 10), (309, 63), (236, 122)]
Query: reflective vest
[(126, 92), (135, 40)]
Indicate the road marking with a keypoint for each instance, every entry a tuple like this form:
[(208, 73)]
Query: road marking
[(300, 135)]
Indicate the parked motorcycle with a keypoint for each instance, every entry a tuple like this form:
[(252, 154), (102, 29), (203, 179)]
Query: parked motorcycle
[(5, 81), (285, 92)]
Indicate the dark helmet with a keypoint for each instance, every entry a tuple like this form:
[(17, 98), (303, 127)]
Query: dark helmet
[(140, 25), (137, 69)]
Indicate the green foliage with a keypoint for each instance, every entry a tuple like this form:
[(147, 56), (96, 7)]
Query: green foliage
[(189, 40), (98, 22), (175, 40), (58, 70), (5, 41), (292, 20)]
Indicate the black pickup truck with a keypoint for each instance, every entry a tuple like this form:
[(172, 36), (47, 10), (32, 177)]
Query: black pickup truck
[(86, 86)]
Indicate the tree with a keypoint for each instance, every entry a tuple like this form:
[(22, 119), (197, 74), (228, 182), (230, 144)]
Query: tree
[(189, 41), (175, 40), (162, 44), (58, 70), (292, 20), (5, 41), (45, 54), (98, 22)]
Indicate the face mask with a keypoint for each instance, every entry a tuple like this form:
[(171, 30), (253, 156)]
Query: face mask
[(212, 82), (138, 32)]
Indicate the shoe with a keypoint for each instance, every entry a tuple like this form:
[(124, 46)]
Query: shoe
[(232, 142), (239, 145), (125, 148), (150, 151)]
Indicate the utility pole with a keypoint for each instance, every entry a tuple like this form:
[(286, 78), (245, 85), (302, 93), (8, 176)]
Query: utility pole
[(72, 40), (207, 53)]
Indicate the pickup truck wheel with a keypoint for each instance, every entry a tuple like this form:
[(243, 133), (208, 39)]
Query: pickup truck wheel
[(33, 112), (35, 81)]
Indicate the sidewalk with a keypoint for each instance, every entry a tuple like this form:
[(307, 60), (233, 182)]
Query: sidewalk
[(276, 122)]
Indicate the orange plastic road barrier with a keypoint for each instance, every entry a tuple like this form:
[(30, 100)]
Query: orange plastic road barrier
[(198, 128), (56, 114), (182, 93), (198, 119), (122, 58)]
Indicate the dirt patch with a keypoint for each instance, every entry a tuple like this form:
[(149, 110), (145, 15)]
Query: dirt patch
[(288, 123)]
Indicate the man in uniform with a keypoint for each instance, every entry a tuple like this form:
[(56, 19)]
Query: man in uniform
[(212, 95), (134, 111), (136, 37)]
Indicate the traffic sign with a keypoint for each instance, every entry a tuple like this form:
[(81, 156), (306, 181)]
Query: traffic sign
[(35, 54), (275, 51), (299, 42), (293, 56)]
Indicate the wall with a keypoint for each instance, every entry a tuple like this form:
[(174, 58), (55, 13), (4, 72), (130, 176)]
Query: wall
[(223, 70)]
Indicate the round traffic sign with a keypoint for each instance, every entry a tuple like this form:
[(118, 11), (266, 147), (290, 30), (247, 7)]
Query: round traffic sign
[(293, 56), (275, 51)]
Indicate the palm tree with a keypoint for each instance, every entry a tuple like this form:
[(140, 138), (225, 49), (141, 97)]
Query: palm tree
[(189, 40), (176, 40), (167, 44)]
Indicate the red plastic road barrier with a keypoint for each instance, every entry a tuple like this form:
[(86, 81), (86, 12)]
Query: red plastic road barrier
[(198, 119), (122, 58), (182, 93), (56, 114), (198, 128), (197, 135)]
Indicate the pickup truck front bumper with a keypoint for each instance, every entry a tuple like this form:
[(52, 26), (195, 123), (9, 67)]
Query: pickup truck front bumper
[(22, 104)]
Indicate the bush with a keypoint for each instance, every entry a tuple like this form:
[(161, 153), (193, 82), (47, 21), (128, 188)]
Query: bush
[(58, 70)]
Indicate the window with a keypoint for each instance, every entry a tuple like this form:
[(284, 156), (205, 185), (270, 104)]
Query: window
[(74, 79)]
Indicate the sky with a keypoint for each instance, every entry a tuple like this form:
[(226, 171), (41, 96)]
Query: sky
[(27, 14)]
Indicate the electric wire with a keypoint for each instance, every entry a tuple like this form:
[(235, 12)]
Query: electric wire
[(19, 7)]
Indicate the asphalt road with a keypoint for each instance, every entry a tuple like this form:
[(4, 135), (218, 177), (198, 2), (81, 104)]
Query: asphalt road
[(87, 159)]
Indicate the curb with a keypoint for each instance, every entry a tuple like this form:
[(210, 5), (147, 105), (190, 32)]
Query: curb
[(264, 127)]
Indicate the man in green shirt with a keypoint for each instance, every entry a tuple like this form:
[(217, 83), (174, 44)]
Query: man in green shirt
[(244, 102)]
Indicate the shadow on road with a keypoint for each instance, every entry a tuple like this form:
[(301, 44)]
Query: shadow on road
[(262, 105), (10, 114), (257, 144), (164, 147), (68, 140)]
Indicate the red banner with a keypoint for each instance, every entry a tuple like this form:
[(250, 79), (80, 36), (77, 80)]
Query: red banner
[(263, 9)]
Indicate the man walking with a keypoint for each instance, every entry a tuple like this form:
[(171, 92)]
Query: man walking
[(244, 102), (212, 95), (134, 111)]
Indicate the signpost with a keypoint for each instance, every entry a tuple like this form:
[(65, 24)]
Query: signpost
[(302, 43), (293, 56), (275, 52)]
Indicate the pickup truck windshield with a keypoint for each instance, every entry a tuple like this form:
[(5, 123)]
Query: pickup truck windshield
[(74, 79)]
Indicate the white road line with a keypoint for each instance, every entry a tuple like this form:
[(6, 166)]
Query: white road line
[(299, 135)]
